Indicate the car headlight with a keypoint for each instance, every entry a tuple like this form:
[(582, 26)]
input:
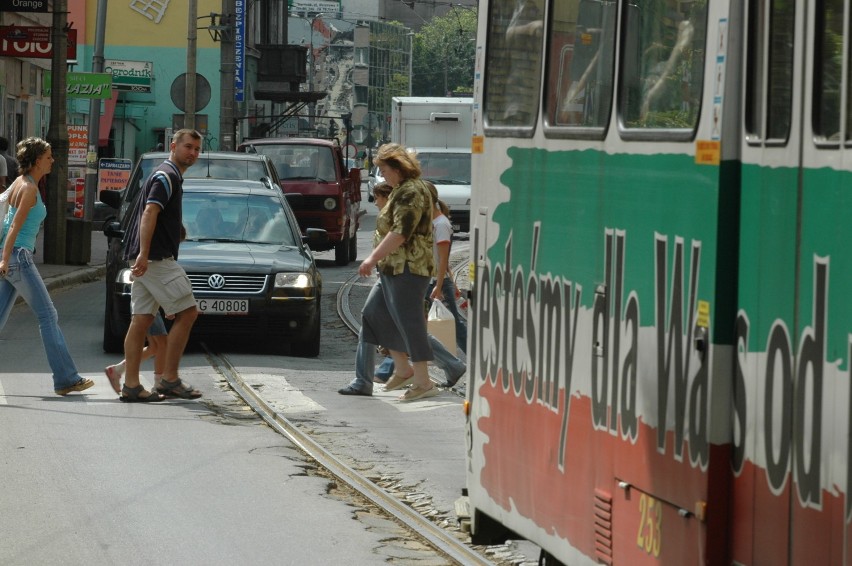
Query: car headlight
[(294, 280), (330, 203), (124, 277)]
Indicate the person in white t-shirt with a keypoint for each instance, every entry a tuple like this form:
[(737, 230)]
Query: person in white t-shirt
[(442, 288)]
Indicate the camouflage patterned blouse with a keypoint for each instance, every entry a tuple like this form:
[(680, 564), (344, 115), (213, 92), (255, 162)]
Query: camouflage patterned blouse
[(408, 213)]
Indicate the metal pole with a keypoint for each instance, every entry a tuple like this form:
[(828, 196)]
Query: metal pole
[(410, 59), (311, 105), (94, 118), (192, 34), (57, 135)]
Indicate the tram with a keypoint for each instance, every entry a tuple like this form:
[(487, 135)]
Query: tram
[(660, 324)]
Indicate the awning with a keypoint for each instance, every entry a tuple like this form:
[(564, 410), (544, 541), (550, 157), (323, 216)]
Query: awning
[(105, 123)]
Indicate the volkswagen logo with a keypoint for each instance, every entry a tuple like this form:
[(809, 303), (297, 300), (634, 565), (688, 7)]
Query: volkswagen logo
[(216, 281)]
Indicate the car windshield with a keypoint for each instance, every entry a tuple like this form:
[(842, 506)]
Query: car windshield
[(236, 218), (300, 162), (445, 168)]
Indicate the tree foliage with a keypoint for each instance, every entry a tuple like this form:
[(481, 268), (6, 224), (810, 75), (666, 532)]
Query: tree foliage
[(444, 52)]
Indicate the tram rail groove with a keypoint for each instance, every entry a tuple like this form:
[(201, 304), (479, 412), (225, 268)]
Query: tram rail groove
[(441, 540)]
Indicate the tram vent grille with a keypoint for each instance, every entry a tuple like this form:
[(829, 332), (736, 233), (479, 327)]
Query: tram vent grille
[(603, 526)]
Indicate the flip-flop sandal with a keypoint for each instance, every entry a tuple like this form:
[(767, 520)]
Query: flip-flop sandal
[(395, 382), (178, 389), (416, 392), (132, 395), (114, 377)]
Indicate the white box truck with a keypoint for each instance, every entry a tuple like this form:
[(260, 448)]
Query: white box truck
[(439, 130)]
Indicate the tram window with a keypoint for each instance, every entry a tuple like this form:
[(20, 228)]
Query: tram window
[(513, 66), (773, 22), (828, 70), (663, 64), (580, 59)]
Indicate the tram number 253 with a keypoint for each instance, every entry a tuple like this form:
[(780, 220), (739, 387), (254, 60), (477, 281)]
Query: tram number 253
[(650, 536)]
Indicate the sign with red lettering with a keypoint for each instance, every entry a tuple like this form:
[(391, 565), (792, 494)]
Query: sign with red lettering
[(32, 41)]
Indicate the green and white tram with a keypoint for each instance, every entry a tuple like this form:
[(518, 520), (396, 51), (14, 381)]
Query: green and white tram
[(660, 334)]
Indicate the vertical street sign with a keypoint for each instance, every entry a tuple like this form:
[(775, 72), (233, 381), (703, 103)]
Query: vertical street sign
[(240, 50)]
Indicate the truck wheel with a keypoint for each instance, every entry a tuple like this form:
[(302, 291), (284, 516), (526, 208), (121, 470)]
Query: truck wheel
[(353, 248), (341, 252)]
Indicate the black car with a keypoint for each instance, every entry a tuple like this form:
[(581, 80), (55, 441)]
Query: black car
[(252, 274), (225, 165)]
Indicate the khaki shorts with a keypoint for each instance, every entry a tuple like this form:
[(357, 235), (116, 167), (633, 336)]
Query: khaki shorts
[(166, 285)]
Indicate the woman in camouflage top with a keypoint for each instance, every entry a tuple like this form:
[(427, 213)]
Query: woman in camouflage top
[(393, 315)]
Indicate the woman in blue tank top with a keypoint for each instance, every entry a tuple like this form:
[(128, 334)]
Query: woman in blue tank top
[(18, 273)]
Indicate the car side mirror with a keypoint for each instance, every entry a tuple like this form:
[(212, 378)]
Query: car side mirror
[(315, 237), (113, 229), (111, 197)]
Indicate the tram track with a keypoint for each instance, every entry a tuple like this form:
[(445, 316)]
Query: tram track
[(442, 540)]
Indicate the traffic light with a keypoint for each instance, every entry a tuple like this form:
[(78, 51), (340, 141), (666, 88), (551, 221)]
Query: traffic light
[(332, 129)]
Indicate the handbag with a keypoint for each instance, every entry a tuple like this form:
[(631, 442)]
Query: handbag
[(441, 324)]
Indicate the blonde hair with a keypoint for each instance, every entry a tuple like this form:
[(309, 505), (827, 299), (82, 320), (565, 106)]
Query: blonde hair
[(28, 151), (397, 157)]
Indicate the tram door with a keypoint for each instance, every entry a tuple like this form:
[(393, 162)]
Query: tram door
[(790, 398)]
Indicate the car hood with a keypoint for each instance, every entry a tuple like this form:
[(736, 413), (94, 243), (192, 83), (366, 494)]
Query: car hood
[(456, 196), (237, 257)]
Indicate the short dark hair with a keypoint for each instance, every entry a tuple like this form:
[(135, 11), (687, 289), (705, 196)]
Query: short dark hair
[(382, 190)]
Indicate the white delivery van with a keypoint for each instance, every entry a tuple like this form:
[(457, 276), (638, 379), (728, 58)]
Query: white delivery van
[(439, 130)]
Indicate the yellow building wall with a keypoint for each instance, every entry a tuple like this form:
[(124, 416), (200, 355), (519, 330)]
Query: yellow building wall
[(135, 23)]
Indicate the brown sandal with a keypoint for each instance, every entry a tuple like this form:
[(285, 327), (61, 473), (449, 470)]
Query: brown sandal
[(133, 395), (178, 389)]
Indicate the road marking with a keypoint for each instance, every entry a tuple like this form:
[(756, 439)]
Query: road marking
[(280, 395), (2, 395)]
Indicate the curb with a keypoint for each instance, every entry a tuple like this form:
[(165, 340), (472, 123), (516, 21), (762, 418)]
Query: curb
[(76, 277)]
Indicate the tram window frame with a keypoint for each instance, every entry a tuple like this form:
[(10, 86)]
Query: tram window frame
[(630, 75), (495, 54), (589, 29), (820, 110), (764, 108)]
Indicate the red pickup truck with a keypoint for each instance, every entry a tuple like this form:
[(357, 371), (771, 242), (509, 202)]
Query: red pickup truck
[(331, 194)]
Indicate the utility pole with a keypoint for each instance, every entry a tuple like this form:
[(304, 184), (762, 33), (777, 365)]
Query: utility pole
[(57, 136), (227, 131), (192, 34)]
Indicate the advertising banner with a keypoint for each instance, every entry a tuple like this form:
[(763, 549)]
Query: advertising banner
[(113, 174), (83, 85), (33, 42), (130, 76)]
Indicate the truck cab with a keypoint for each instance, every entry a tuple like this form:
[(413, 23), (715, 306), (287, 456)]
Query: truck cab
[(330, 193)]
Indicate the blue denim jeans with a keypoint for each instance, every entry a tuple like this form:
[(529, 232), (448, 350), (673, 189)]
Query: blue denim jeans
[(365, 365), (23, 278), (449, 291)]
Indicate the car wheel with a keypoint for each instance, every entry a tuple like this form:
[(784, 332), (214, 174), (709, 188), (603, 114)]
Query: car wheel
[(341, 252), (310, 346), (113, 343), (353, 248)]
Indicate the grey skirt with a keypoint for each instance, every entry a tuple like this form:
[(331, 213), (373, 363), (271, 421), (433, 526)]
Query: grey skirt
[(394, 315)]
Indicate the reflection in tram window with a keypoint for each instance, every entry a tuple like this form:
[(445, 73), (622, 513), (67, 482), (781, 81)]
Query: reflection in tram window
[(663, 64), (580, 53)]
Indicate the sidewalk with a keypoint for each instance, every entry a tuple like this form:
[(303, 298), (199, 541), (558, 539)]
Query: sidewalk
[(58, 276)]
